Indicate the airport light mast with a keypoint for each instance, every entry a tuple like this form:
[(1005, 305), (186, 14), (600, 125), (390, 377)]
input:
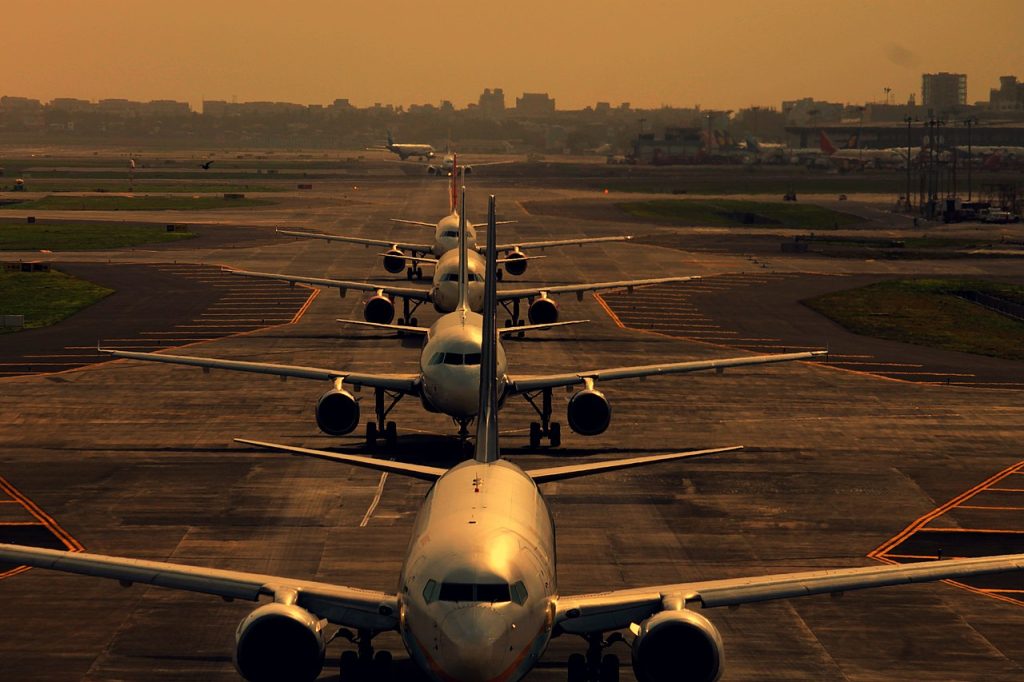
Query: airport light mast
[(908, 120)]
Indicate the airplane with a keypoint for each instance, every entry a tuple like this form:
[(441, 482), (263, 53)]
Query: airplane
[(405, 149), (449, 166), (449, 369), (855, 155), (409, 256), (477, 596)]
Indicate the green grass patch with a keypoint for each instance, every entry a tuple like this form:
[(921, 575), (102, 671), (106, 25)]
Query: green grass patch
[(930, 312), (45, 298), (143, 202), (733, 213), (164, 187), (82, 236)]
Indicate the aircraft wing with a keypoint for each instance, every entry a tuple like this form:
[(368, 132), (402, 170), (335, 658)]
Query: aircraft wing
[(559, 242), (580, 289), (618, 609), (418, 223), (404, 383), (345, 606), (527, 384), (405, 246), (406, 292)]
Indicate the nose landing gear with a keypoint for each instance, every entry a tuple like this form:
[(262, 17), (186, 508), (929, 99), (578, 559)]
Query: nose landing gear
[(363, 665)]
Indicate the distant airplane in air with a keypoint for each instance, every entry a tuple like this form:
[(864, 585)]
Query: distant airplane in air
[(477, 598)]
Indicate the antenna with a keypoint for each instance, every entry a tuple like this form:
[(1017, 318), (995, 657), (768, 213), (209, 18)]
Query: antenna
[(463, 304), (487, 420)]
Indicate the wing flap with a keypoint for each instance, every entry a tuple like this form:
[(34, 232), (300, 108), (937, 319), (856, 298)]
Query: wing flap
[(405, 292), (605, 612), (509, 294), (422, 472), (591, 468)]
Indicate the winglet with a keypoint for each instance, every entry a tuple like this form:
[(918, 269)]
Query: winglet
[(487, 449)]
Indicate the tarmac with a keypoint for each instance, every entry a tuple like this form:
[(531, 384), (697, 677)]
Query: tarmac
[(137, 459)]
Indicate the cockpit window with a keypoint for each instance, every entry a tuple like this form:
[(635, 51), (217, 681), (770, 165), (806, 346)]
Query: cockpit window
[(450, 233), (519, 593), (472, 358), (486, 592), (430, 591), (454, 277)]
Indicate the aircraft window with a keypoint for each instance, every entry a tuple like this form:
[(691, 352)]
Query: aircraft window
[(472, 358), (430, 592), (519, 594), (473, 277), (437, 359), (456, 592), (493, 592), (450, 277), (450, 233), (454, 358)]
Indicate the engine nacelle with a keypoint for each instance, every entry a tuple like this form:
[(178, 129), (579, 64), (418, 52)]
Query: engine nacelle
[(515, 262), (394, 261), (543, 310), (589, 412), (337, 412), (677, 645), (280, 642), (379, 308)]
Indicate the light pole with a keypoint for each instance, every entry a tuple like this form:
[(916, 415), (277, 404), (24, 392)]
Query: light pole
[(908, 120), (970, 190)]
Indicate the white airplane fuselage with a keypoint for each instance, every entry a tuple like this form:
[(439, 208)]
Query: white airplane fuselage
[(482, 524), (445, 284), (446, 235), (450, 364)]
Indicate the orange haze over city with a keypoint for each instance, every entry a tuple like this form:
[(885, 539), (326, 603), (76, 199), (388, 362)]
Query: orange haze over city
[(647, 52)]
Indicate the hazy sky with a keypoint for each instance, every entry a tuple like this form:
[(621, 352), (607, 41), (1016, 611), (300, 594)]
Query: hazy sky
[(648, 52)]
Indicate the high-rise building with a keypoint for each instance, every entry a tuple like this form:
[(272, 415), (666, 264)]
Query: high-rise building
[(492, 102), (944, 90), (535, 104), (1009, 96)]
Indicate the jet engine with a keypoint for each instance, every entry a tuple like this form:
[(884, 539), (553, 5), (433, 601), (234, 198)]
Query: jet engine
[(280, 642), (674, 645), (515, 262), (379, 308), (543, 310), (337, 412), (589, 412), (394, 261)]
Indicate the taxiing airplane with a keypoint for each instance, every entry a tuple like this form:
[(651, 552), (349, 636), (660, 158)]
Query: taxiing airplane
[(477, 598), (405, 149), (449, 166), (449, 373), (410, 256)]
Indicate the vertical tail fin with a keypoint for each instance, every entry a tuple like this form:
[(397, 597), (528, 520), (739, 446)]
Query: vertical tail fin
[(826, 144), (463, 304), (487, 449), (453, 187)]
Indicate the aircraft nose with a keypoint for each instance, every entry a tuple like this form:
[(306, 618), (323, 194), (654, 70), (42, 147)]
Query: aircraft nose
[(474, 644)]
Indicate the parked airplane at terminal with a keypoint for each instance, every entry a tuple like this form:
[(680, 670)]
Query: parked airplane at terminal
[(409, 256), (856, 156), (406, 149), (477, 597), (449, 372)]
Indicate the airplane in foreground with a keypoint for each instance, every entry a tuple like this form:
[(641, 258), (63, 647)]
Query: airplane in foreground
[(477, 597), (405, 149), (449, 373), (410, 256)]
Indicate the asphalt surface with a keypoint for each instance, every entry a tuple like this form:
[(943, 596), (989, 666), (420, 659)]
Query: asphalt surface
[(136, 459)]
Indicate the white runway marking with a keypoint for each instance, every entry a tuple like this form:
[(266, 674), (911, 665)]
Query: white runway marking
[(376, 500)]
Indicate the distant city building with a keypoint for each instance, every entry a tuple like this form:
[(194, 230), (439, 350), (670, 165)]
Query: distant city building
[(1009, 96), (491, 102), (809, 111), (535, 104), (70, 104), (943, 90)]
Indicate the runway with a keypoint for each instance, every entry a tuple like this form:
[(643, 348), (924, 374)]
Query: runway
[(137, 459)]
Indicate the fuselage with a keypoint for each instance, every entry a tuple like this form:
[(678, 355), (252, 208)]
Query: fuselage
[(445, 287), (450, 364), (478, 585), (404, 151), (446, 235)]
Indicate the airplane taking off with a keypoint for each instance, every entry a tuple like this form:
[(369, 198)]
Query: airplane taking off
[(409, 256), (405, 149), (449, 372), (477, 596)]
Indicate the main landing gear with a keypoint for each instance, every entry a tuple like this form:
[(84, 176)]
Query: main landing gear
[(512, 308), (595, 666), (363, 664), (545, 428), (381, 429), (414, 272), (408, 309)]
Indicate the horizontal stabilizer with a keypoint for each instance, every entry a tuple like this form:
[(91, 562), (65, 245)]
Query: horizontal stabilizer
[(419, 471), (408, 329), (591, 468)]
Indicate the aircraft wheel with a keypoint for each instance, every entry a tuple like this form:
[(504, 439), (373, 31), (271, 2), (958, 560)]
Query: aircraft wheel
[(534, 435), (498, 275), (349, 665), (371, 435), (382, 670), (508, 323), (577, 668), (400, 321), (390, 438), (409, 272), (413, 322), (555, 434), (609, 671)]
